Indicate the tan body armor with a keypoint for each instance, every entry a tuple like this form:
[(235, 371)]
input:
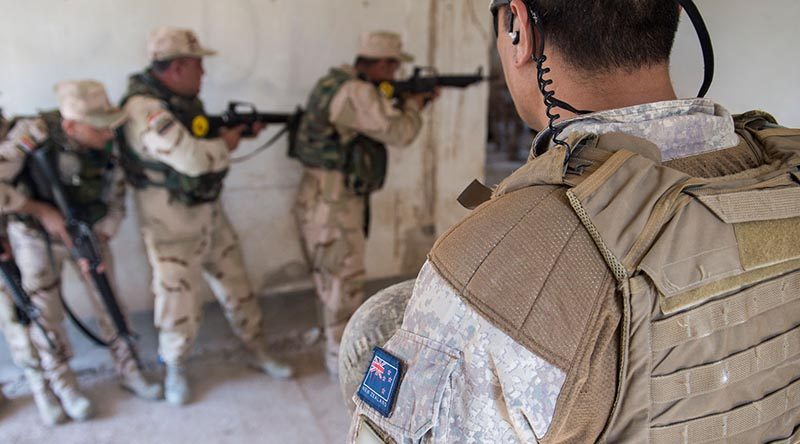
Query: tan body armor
[(691, 332)]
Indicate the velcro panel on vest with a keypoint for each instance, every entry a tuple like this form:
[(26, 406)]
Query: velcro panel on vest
[(715, 257), (505, 259)]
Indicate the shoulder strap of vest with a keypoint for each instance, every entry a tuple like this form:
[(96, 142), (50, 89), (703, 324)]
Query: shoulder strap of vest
[(635, 209)]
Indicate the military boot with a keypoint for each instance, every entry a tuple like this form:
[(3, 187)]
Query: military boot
[(49, 406), (269, 365), (76, 404), (176, 385), (65, 386), (132, 379)]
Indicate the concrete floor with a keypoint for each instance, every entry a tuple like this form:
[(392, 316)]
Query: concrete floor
[(232, 402)]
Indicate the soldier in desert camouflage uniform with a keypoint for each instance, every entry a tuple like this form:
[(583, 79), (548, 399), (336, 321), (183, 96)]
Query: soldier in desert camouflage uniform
[(17, 335), (79, 135), (341, 142), (178, 179)]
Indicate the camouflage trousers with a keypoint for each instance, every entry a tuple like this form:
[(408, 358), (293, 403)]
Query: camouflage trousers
[(23, 353), (331, 219), (41, 278), (179, 267)]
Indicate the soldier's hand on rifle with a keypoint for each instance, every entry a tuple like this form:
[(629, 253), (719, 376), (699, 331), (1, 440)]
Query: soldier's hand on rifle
[(257, 128), (86, 267), (232, 136), (51, 220), (7, 255), (423, 99)]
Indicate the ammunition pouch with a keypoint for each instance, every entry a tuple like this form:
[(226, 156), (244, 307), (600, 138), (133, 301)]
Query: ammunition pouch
[(365, 166), (188, 190)]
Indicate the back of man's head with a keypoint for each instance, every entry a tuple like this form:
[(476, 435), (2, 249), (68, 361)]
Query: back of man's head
[(599, 36)]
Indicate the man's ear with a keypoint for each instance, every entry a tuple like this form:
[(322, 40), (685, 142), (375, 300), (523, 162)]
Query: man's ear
[(527, 41)]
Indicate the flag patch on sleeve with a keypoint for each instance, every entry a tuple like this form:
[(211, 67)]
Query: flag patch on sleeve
[(381, 382), (160, 121), (26, 143)]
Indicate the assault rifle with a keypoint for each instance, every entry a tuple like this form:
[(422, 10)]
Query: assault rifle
[(244, 113), (421, 84), (85, 248)]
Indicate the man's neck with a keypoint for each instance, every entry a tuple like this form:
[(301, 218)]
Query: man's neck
[(163, 82), (620, 89)]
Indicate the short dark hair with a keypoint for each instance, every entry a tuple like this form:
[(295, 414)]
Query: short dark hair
[(597, 36)]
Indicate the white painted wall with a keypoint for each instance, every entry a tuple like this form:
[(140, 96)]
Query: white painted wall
[(271, 53), (757, 56)]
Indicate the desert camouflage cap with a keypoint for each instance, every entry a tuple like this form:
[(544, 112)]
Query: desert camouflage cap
[(86, 101), (166, 43), (383, 45)]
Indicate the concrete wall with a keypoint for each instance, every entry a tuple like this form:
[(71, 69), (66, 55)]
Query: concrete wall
[(271, 53), (757, 63)]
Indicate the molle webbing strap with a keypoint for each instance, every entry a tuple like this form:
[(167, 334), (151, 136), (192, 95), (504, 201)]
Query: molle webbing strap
[(719, 375), (720, 315), (755, 205), (726, 426)]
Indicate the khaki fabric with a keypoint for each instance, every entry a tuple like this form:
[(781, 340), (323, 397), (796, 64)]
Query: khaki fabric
[(331, 221), (719, 296), (22, 350), (26, 134), (167, 42), (86, 101), (43, 283), (181, 265), (358, 107), (331, 218), (716, 300), (383, 45), (569, 319), (187, 245), (512, 226)]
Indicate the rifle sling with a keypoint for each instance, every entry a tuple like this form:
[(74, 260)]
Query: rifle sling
[(274, 139)]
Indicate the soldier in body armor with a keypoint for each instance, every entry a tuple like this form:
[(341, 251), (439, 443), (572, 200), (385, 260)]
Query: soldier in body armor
[(79, 138), (17, 335), (342, 143), (178, 179), (638, 280)]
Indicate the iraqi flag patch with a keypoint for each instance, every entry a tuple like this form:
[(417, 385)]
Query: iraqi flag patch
[(381, 382)]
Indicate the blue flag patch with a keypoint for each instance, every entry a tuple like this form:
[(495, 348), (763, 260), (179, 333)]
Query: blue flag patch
[(381, 382)]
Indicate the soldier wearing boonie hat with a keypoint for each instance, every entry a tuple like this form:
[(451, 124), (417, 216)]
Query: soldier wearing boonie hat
[(79, 137), (167, 43), (178, 178), (347, 114)]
